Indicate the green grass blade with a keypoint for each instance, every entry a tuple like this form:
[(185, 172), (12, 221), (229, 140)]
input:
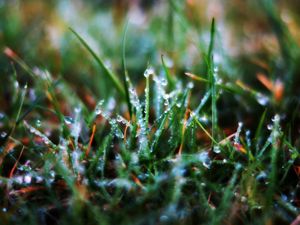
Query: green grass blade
[(210, 64), (205, 131), (125, 72), (259, 128), (171, 81), (147, 101), (212, 39), (107, 72)]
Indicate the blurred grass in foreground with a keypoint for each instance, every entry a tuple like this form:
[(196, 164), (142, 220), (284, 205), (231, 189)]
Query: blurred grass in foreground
[(188, 116)]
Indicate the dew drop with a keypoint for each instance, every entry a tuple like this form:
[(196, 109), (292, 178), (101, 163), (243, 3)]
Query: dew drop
[(164, 219), (3, 134), (163, 82), (238, 166), (16, 85), (203, 119), (262, 176), (178, 105), (2, 115), (243, 199), (149, 71), (216, 69), (77, 110), (270, 126), (38, 123), (122, 120), (262, 99), (98, 109), (204, 158), (238, 132), (39, 179), (190, 85), (276, 118), (18, 179), (111, 104), (166, 96), (69, 120), (32, 95), (27, 179), (52, 176), (217, 149)]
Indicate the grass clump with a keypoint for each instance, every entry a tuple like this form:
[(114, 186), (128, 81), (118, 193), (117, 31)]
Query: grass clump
[(174, 139)]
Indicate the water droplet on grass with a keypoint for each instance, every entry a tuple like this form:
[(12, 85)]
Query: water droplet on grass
[(216, 69), (262, 176), (69, 120), (99, 107), (203, 119), (36, 132), (2, 115), (149, 71), (3, 134), (39, 179), (164, 219), (4, 209), (18, 179), (122, 120), (27, 179), (32, 95), (163, 82), (205, 159), (276, 118), (190, 85), (238, 132), (262, 99), (178, 105), (38, 123), (217, 149), (243, 199)]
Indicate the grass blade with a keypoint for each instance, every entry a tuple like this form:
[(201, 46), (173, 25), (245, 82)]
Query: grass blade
[(125, 72), (212, 80), (170, 79), (107, 72)]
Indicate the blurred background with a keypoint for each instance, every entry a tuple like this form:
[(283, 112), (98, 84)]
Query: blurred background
[(252, 37)]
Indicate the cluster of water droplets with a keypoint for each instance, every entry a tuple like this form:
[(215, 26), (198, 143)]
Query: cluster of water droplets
[(217, 78), (99, 110), (149, 71), (142, 133), (117, 182), (43, 74), (27, 179), (36, 132), (76, 161), (122, 120), (237, 133), (248, 138), (160, 95), (276, 127), (76, 126)]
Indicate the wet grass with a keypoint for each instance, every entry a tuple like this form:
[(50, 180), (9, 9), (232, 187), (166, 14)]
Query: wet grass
[(167, 140)]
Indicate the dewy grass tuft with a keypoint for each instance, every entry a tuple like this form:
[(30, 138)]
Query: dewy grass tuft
[(217, 146)]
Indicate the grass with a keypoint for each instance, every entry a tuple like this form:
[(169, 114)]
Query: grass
[(132, 140)]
